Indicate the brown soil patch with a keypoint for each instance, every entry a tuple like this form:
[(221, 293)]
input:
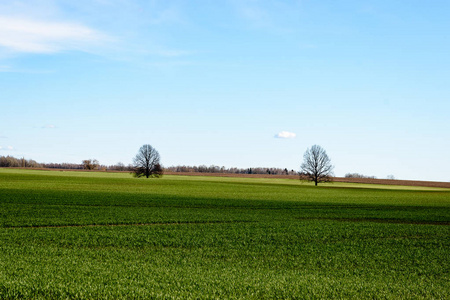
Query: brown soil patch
[(335, 179), (394, 182)]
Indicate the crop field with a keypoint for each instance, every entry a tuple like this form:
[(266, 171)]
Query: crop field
[(82, 235)]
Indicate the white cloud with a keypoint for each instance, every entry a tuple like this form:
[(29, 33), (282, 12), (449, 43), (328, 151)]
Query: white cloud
[(285, 135), (50, 126), (123, 30), (25, 35)]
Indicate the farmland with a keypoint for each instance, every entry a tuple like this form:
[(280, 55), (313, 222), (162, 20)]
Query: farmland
[(82, 235)]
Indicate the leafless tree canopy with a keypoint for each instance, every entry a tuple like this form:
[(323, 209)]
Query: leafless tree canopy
[(9, 161), (146, 162), (90, 164), (232, 170), (316, 165)]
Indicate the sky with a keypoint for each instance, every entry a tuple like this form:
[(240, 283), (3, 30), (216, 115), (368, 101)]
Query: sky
[(234, 83)]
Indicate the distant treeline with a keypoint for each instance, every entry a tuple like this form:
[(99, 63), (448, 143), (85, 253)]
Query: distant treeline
[(357, 175), (89, 164), (218, 169), (63, 166), (92, 164), (12, 162)]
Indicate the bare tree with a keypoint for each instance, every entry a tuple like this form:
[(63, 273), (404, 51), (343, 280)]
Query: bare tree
[(120, 166), (316, 165), (90, 164), (146, 163), (9, 161)]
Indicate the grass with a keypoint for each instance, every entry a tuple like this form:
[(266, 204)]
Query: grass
[(208, 237)]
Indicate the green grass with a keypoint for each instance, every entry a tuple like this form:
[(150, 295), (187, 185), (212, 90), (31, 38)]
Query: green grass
[(210, 237)]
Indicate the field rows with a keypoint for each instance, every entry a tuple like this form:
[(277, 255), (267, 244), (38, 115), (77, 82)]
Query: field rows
[(110, 236)]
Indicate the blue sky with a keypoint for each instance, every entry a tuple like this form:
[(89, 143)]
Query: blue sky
[(232, 83)]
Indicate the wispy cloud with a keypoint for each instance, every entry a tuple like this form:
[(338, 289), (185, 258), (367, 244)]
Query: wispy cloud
[(26, 35), (5, 69), (270, 16), (8, 69), (124, 30), (7, 148), (285, 135), (252, 12), (49, 126)]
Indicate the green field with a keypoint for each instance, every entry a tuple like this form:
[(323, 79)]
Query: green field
[(83, 235)]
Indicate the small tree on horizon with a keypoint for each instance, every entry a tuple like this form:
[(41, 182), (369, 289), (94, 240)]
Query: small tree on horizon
[(316, 165), (147, 162), (90, 164)]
